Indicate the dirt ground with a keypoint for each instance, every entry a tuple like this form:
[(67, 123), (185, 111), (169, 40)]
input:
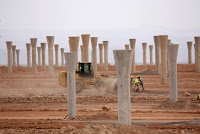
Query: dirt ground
[(36, 103)]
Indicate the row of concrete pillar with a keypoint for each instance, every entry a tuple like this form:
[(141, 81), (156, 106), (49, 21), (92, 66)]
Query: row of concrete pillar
[(161, 51), (43, 48), (74, 43), (161, 60), (84, 49), (33, 44), (144, 46), (50, 42), (12, 52)]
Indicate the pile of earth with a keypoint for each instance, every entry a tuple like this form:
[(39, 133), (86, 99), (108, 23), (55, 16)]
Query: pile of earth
[(181, 104), (146, 72)]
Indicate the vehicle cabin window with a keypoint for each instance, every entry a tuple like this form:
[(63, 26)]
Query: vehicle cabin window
[(84, 68)]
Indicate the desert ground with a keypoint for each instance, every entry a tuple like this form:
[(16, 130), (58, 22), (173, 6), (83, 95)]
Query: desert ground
[(36, 103)]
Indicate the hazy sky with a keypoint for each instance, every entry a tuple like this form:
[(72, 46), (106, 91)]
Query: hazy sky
[(113, 20), (98, 14)]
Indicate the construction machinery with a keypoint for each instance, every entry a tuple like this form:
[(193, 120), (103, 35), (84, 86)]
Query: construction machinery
[(86, 77)]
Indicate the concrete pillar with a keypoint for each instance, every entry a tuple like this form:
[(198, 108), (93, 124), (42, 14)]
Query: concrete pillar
[(168, 41), (189, 45), (81, 53), (34, 45), (163, 45), (123, 59), (56, 53), (62, 56), (50, 42), (172, 50), (28, 48), (157, 54), (91, 56), (43, 46), (69, 46), (105, 45), (144, 47), (94, 53), (195, 56), (101, 54), (9, 50), (17, 51), (14, 53), (151, 54), (85, 41), (74, 43), (126, 46), (197, 42), (39, 56), (70, 59), (132, 44)]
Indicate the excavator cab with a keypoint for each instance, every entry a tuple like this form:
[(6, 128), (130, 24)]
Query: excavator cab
[(85, 70)]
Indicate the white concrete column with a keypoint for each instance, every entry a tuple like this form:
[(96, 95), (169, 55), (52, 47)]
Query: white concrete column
[(105, 45), (39, 56), (9, 50), (14, 53), (34, 45), (69, 46), (62, 56), (85, 41), (157, 54), (101, 54), (74, 43), (151, 54), (197, 42), (17, 51), (132, 44), (70, 59), (94, 41), (126, 46), (189, 45), (195, 55), (50, 42), (123, 59), (43, 46), (168, 41), (81, 46), (172, 50), (144, 47), (163, 45), (28, 48), (56, 53)]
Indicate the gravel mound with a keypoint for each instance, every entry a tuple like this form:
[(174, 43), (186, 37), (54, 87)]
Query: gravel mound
[(146, 72)]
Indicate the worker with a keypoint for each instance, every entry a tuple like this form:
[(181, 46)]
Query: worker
[(198, 97), (131, 77), (141, 81)]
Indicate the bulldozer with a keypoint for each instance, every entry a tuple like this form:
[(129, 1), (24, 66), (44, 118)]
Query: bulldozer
[(85, 77)]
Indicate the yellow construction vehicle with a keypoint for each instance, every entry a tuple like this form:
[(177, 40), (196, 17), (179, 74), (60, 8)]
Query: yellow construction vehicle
[(85, 77)]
